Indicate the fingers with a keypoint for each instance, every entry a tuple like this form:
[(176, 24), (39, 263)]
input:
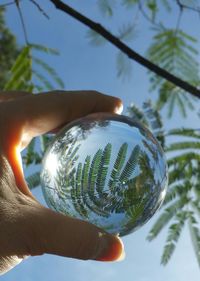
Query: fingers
[(31, 229), (43, 112), (65, 236), (32, 115)]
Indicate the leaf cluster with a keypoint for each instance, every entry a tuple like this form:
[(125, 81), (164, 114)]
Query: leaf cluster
[(174, 50), (91, 186), (181, 203)]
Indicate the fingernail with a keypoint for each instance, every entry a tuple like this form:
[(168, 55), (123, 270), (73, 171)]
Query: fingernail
[(119, 109), (112, 249)]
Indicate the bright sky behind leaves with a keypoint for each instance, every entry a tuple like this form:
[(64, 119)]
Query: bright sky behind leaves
[(83, 66)]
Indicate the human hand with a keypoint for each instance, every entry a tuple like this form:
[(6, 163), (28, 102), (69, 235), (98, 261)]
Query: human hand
[(27, 227)]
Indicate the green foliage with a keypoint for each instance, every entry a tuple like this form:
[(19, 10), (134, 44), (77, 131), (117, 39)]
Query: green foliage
[(8, 50), (174, 50), (129, 3), (195, 235), (95, 39), (24, 76), (87, 182), (184, 175), (183, 145), (32, 156), (151, 5), (125, 33), (119, 162), (149, 117), (171, 48), (103, 167), (183, 196), (184, 132), (33, 180), (123, 66), (130, 164), (94, 169), (48, 70), (21, 73), (168, 214), (173, 236), (106, 7), (42, 72)]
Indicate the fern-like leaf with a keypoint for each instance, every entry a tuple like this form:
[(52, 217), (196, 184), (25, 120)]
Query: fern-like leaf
[(174, 51), (20, 73), (177, 190), (43, 80), (124, 66), (184, 132), (130, 165), (78, 198), (44, 49), (195, 236), (31, 156), (137, 114), (150, 117), (50, 71), (106, 7), (95, 38), (165, 217), (173, 236), (94, 172), (126, 32), (103, 168), (183, 157), (183, 145), (119, 162)]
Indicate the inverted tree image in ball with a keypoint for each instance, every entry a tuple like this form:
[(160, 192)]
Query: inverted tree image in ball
[(105, 169)]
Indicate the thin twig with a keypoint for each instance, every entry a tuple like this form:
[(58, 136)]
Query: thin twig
[(184, 6), (39, 8), (179, 18), (8, 4), (146, 16), (22, 21), (125, 49)]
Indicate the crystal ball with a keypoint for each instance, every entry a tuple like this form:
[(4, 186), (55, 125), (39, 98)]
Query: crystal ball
[(106, 169)]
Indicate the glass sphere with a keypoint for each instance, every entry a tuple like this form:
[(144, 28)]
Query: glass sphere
[(106, 169)]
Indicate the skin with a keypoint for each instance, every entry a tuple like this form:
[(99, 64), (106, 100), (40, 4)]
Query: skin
[(26, 226)]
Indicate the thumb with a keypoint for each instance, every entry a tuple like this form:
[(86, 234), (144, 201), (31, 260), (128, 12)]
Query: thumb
[(65, 236)]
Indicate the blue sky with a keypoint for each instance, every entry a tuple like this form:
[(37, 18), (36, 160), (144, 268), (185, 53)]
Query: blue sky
[(82, 66)]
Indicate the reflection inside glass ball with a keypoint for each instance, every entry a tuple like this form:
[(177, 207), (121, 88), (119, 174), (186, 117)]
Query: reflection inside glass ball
[(106, 169)]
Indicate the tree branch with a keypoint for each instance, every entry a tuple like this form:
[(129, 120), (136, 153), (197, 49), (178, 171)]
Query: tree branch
[(125, 49)]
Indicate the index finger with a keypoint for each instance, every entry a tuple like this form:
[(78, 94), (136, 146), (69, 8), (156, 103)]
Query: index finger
[(33, 115), (44, 112)]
